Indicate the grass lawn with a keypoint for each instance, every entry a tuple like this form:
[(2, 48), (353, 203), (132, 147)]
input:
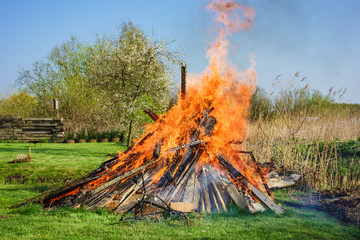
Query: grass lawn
[(53, 162), (33, 222)]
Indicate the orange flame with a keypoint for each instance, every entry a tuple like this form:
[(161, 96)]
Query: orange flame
[(221, 87)]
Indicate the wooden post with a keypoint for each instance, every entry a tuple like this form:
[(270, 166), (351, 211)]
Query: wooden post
[(183, 81), (29, 151), (56, 107)]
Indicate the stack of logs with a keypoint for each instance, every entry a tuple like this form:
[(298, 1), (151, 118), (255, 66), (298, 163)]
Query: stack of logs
[(25, 129)]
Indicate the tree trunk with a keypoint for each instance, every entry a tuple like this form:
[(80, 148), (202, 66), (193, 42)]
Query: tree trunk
[(128, 144)]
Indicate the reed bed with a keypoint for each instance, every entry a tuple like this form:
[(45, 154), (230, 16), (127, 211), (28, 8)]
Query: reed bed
[(308, 133)]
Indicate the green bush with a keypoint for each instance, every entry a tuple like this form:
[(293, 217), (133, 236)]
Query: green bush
[(103, 135), (122, 136), (114, 134), (81, 135), (91, 133), (69, 136)]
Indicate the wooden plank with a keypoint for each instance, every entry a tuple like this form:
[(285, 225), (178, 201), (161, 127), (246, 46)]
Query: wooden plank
[(182, 206), (37, 119), (246, 184), (201, 206), (237, 197), (123, 176), (155, 159), (207, 123), (204, 192), (180, 185), (178, 182), (196, 192), (217, 192), (124, 189), (128, 204), (206, 200), (190, 188)]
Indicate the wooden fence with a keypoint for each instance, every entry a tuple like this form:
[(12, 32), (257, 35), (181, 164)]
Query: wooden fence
[(26, 129)]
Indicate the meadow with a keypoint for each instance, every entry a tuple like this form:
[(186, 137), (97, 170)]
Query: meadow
[(55, 163), (299, 131)]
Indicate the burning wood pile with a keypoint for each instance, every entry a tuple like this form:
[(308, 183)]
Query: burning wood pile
[(191, 158), (175, 178)]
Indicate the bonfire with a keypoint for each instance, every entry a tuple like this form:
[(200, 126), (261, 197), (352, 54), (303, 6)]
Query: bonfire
[(191, 158)]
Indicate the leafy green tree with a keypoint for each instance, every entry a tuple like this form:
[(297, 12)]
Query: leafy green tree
[(61, 75), (105, 84), (132, 72)]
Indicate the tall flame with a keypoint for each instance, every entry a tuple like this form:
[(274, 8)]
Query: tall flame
[(221, 87)]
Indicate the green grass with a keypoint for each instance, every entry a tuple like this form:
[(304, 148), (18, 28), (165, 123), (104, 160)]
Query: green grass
[(73, 160), (33, 222), (52, 162)]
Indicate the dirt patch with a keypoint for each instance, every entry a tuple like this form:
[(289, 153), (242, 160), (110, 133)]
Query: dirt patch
[(16, 178), (343, 206)]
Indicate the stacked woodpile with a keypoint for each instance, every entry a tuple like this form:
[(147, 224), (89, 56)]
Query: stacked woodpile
[(25, 129), (148, 181)]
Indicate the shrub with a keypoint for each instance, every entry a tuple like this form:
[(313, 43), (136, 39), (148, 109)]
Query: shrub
[(69, 136), (114, 134), (103, 135), (81, 135), (91, 133)]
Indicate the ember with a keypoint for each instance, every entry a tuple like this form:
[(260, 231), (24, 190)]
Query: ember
[(191, 158)]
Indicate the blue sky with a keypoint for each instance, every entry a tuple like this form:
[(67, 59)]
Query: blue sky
[(319, 38)]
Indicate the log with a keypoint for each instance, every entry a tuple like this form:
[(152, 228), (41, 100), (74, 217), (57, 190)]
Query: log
[(151, 114)]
